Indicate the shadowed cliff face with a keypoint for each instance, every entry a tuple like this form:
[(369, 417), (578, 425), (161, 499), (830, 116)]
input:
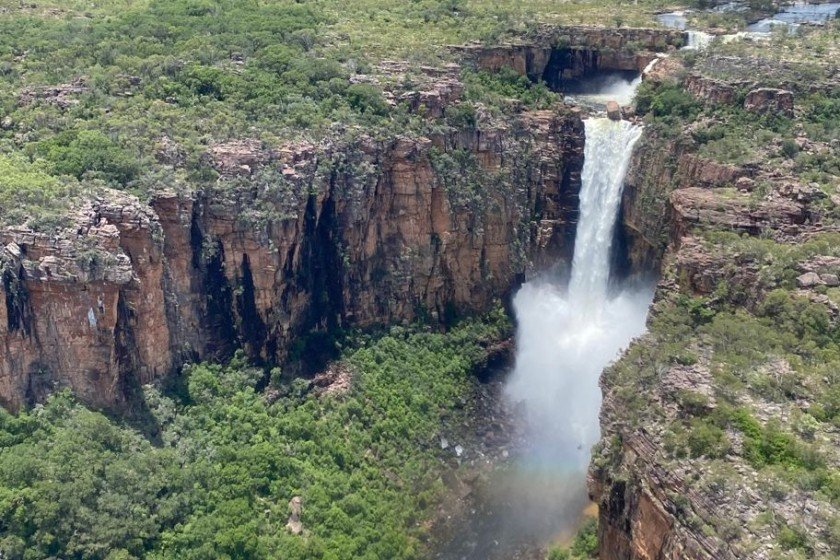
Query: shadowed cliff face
[(293, 244), (561, 55)]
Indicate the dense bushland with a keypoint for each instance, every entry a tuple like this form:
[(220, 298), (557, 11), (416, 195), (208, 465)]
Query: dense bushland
[(216, 478)]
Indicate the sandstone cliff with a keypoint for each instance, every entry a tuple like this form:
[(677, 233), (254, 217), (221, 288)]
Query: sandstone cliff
[(554, 54), (290, 244), (727, 237)]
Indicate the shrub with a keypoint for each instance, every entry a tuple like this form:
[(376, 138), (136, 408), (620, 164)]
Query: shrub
[(28, 195), (789, 149), (367, 99), (495, 88), (706, 439), (84, 152), (462, 115), (792, 538), (76, 484), (585, 544), (674, 101)]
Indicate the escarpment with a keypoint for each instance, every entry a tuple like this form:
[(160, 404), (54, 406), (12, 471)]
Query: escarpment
[(731, 236), (297, 240), (290, 244)]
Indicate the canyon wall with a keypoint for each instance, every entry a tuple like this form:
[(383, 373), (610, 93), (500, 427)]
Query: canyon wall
[(295, 242), (289, 245), (654, 503), (556, 53)]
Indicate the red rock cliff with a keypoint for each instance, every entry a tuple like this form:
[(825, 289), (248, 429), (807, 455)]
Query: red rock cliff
[(295, 241)]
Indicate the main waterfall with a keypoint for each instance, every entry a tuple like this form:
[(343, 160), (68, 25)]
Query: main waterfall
[(568, 334)]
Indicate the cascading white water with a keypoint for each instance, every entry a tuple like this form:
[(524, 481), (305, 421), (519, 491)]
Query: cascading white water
[(566, 336), (606, 156), (698, 40)]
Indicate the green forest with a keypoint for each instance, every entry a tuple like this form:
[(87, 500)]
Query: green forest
[(210, 471)]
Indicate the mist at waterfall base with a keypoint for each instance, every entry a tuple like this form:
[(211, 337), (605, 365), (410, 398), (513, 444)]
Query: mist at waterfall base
[(567, 334)]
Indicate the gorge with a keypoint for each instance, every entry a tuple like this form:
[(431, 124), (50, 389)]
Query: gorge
[(307, 280)]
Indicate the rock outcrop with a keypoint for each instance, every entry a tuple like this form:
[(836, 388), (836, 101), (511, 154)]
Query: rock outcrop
[(770, 100), (291, 244), (703, 223), (558, 53), (710, 89)]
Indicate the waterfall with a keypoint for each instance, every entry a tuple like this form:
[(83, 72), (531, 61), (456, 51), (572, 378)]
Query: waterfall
[(567, 335), (606, 156), (698, 40)]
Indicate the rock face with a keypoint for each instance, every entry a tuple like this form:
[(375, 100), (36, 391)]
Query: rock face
[(770, 100), (557, 53), (291, 244), (651, 503), (74, 304), (709, 89), (637, 513)]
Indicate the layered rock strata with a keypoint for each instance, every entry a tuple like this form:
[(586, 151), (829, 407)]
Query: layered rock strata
[(289, 245)]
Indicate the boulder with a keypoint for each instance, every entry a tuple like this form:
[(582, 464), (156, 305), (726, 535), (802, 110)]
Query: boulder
[(809, 280), (613, 111), (294, 524), (830, 280), (744, 184), (770, 100)]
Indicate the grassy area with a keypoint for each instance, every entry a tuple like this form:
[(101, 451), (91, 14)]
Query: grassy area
[(29, 195)]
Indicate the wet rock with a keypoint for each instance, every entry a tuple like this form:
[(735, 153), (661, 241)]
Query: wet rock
[(666, 70), (613, 111), (770, 100)]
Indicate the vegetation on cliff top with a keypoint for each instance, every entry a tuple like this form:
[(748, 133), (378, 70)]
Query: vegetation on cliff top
[(735, 383), (132, 93), (216, 480)]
